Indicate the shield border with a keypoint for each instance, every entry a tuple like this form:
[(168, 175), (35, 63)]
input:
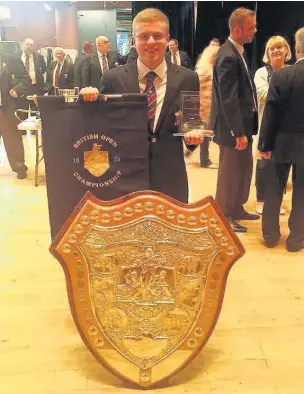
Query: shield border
[(231, 245)]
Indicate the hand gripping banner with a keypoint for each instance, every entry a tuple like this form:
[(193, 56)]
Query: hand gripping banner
[(101, 147)]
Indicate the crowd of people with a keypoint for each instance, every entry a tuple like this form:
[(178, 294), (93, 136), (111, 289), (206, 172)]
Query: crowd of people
[(258, 116)]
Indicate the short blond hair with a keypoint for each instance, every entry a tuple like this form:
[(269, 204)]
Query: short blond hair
[(150, 15), (238, 16), (299, 38), (273, 42)]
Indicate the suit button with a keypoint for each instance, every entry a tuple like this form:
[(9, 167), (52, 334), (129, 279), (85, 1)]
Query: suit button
[(153, 140)]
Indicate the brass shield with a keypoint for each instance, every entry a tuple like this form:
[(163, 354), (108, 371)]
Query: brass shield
[(96, 161), (146, 277)]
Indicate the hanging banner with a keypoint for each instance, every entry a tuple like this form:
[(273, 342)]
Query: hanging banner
[(101, 147)]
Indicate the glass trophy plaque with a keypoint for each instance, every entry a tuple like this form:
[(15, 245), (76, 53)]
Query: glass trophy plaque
[(190, 119)]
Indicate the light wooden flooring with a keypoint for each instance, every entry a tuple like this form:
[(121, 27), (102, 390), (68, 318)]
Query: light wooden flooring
[(257, 346)]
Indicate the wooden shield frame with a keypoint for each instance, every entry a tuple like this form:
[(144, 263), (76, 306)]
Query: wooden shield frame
[(146, 277)]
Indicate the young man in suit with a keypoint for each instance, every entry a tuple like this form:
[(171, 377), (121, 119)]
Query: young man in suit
[(176, 56), (82, 64), (60, 73), (163, 83), (234, 118), (282, 142), (14, 81), (102, 61)]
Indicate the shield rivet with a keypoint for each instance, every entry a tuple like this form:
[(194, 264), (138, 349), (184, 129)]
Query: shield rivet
[(66, 248), (213, 222), (145, 376), (117, 216), (99, 343), (78, 229), (160, 209), (192, 220), (203, 218), (170, 214), (94, 214), (105, 217), (198, 331), (72, 238), (192, 342), (149, 205), (218, 232), (230, 250), (128, 211), (92, 330), (85, 220), (138, 207), (224, 241), (181, 218)]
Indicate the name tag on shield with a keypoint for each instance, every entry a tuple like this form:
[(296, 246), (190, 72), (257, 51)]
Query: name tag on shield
[(146, 277)]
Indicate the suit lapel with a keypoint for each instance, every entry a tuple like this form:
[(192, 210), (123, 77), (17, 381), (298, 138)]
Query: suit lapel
[(95, 58), (132, 78), (247, 73), (173, 81)]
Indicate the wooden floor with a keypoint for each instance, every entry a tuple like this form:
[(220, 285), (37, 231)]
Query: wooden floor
[(257, 346)]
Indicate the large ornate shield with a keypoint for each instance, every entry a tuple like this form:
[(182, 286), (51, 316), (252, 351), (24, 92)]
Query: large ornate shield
[(146, 277)]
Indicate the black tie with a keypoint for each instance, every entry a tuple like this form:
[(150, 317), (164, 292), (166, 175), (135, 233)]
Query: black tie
[(27, 63)]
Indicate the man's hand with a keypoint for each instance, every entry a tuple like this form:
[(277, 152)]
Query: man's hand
[(241, 143), (177, 118), (13, 94), (196, 137), (266, 155), (89, 94)]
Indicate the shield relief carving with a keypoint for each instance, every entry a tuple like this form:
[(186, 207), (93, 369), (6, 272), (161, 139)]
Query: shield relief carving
[(146, 277)]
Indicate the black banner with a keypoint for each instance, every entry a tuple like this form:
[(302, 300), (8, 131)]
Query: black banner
[(97, 146)]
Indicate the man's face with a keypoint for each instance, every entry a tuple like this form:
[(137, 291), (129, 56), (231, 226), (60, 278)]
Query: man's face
[(173, 47), (247, 32), (90, 50), (59, 56), (151, 40), (103, 45), (28, 47)]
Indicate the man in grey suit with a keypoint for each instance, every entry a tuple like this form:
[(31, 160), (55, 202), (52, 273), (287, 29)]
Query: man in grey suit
[(234, 118), (102, 61), (282, 142), (162, 82), (14, 80)]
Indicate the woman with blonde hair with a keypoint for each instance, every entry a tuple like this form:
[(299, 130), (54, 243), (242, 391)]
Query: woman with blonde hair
[(204, 69), (277, 52)]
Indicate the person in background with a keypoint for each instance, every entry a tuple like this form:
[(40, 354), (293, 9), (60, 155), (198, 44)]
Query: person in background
[(277, 52), (60, 73), (82, 65), (215, 42), (204, 69), (234, 118), (35, 67), (102, 61), (176, 56), (282, 143), (132, 55), (14, 81)]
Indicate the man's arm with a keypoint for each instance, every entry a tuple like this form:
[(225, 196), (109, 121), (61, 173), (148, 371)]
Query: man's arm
[(271, 116), (22, 79), (228, 85)]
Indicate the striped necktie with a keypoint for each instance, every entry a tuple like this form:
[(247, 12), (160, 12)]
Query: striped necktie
[(152, 99), (174, 58), (27, 63), (104, 64)]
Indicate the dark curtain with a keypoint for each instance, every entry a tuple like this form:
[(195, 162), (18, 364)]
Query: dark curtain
[(212, 22), (273, 18), (181, 18)]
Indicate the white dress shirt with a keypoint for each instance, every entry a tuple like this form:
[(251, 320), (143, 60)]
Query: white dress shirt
[(177, 58), (100, 56), (240, 50), (160, 83), (32, 72)]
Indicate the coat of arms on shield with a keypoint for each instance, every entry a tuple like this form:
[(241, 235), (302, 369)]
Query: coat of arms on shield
[(146, 277), (96, 161)]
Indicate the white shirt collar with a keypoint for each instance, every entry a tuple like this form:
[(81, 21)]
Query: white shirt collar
[(143, 70), (101, 54), (299, 60), (239, 47)]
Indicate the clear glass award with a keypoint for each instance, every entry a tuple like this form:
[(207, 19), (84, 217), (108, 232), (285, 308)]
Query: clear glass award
[(189, 119)]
